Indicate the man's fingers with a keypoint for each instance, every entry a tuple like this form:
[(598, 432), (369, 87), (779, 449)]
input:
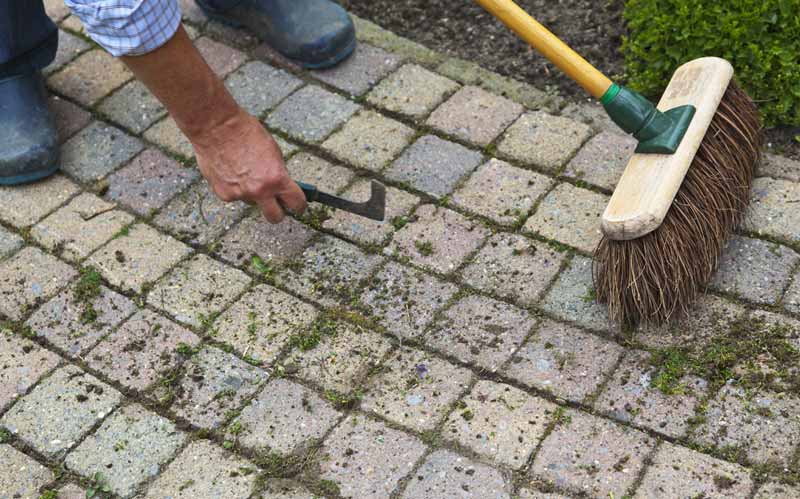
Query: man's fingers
[(272, 210), (293, 199)]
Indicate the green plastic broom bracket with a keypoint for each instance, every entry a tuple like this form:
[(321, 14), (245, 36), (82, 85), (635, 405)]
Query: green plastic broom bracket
[(657, 132)]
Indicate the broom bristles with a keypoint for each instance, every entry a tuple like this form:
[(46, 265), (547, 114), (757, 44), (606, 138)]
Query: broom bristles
[(655, 278)]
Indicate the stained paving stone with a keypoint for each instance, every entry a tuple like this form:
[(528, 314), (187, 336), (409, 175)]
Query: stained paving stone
[(433, 165), (305, 167), (138, 258), (535, 494), (328, 272), (205, 470), (444, 472), (167, 134), (22, 363), (149, 182), (631, 397), (572, 297), (129, 448), (513, 266), (570, 215), (222, 59), (191, 12), (311, 114), (97, 150), (776, 490), (481, 331), (56, 10), (602, 160), (262, 321), (24, 205), (287, 148), (69, 47), (371, 33), (259, 87), (133, 107), (138, 353), (589, 455), (284, 418), (775, 166), (199, 216), (791, 301), (79, 228), (363, 230), (69, 118), (501, 192), (29, 278), (777, 373), (9, 243), (215, 383), (543, 140), (90, 77), (474, 115), (499, 422), (239, 37), (21, 476), (762, 425), (198, 289), (272, 243), (564, 361), (62, 323), (71, 491), (592, 113), (755, 270), (369, 140), (412, 91), (367, 459), (772, 210), (415, 389), (38, 418), (438, 239), (359, 72)]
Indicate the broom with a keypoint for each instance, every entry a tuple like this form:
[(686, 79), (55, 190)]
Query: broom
[(683, 192)]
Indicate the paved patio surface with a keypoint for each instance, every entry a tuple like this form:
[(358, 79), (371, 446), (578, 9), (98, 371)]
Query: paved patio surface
[(158, 343)]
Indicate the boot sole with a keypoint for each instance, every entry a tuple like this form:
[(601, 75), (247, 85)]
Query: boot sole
[(28, 178)]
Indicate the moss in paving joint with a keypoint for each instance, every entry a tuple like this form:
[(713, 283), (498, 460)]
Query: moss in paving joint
[(263, 269), (344, 402), (87, 289), (49, 494), (424, 248), (308, 339), (5, 436)]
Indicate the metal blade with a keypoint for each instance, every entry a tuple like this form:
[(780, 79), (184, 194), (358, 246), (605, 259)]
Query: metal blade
[(374, 208)]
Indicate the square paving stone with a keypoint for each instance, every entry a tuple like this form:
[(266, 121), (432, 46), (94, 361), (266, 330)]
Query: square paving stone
[(129, 448), (199, 216), (475, 116), (167, 134), (305, 167), (38, 418), (412, 91), (80, 227), (363, 230), (438, 239), (97, 150), (22, 363), (565, 361), (681, 472), (272, 243), (543, 140), (69, 118), (137, 258), (433, 165), (775, 490), (221, 58), (513, 266), (415, 389), (24, 205), (368, 459), (71, 491), (500, 422), (56, 10), (755, 270), (369, 32), (572, 297), (328, 272), (404, 300), (215, 383), (205, 470), (29, 278), (501, 192), (359, 72), (772, 210), (9, 243), (133, 107), (69, 47), (90, 77), (200, 287), (763, 425), (591, 112), (141, 350), (631, 397), (570, 215), (261, 322), (481, 331), (21, 476), (602, 160), (369, 140), (779, 167), (311, 114), (589, 455), (284, 418), (60, 321), (259, 87), (444, 473)]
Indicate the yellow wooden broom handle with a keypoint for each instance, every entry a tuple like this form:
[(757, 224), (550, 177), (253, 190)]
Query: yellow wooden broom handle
[(556, 51)]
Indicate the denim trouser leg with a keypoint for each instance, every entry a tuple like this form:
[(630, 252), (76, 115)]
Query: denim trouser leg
[(28, 38)]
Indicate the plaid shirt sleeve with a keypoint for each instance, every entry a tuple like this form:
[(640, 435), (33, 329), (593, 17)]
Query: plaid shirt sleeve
[(128, 27)]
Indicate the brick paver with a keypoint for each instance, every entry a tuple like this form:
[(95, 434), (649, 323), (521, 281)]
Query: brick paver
[(444, 472), (361, 70), (9, 243), (542, 140), (69, 47), (571, 215), (221, 58), (167, 134), (772, 209), (259, 87), (22, 206), (305, 167), (69, 118), (776, 490), (412, 91), (311, 114), (369, 141), (133, 107), (90, 77), (572, 297), (474, 115), (791, 300), (29, 278), (21, 476), (253, 236), (779, 167), (97, 150), (22, 363), (602, 160)]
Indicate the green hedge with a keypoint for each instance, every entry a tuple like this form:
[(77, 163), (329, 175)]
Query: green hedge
[(760, 37)]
